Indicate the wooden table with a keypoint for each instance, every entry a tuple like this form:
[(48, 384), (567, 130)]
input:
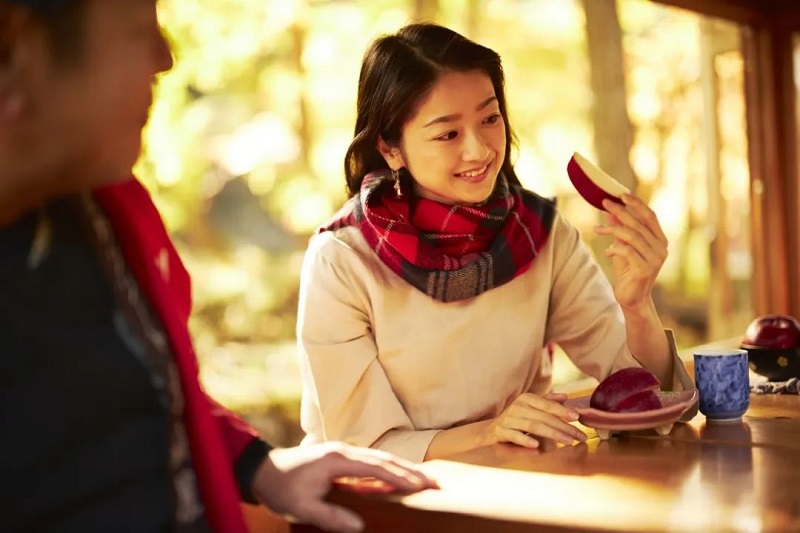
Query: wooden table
[(701, 477)]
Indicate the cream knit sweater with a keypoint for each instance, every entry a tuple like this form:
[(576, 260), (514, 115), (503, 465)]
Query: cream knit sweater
[(386, 366)]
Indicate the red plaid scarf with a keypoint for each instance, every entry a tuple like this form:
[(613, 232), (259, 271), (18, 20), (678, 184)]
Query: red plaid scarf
[(449, 252)]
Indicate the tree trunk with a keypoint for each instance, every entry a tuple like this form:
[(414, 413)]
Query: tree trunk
[(425, 10), (298, 33), (613, 132), (474, 12)]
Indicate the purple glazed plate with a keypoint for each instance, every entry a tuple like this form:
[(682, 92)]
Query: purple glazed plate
[(674, 404)]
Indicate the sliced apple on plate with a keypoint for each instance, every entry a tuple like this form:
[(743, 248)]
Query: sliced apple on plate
[(629, 390), (593, 183)]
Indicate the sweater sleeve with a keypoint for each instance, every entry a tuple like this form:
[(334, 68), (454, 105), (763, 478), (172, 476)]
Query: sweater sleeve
[(347, 395), (585, 318)]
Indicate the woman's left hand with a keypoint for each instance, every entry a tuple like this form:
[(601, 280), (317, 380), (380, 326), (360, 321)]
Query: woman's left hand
[(638, 251)]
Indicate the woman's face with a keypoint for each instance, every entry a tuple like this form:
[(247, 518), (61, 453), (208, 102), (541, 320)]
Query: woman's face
[(455, 143)]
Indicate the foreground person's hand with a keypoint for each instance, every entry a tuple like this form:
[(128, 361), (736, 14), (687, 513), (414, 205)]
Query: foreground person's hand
[(295, 481), (531, 418)]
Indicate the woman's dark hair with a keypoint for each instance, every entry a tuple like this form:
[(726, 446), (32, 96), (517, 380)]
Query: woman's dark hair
[(397, 72)]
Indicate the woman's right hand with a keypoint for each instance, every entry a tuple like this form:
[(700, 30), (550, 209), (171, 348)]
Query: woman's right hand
[(532, 418)]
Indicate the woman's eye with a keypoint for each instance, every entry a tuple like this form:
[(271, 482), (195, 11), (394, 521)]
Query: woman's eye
[(492, 119), (449, 136)]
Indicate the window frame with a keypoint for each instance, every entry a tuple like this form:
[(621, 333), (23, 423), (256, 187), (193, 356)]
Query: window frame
[(768, 28)]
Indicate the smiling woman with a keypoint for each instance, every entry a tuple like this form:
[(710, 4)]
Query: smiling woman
[(427, 303)]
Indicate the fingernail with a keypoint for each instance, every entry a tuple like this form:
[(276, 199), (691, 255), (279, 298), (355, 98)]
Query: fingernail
[(572, 415), (566, 440)]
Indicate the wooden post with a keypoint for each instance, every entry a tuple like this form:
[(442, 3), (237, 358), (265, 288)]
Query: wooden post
[(719, 293), (771, 131)]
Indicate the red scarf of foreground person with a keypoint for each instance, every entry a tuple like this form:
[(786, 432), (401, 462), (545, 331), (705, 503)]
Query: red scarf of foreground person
[(216, 436)]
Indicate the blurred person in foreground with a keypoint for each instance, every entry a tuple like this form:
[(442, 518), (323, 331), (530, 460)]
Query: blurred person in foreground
[(105, 426)]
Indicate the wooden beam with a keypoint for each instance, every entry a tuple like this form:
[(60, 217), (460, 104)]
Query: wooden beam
[(742, 11), (789, 17), (783, 13)]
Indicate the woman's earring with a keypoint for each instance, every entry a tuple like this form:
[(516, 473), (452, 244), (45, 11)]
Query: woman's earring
[(396, 177)]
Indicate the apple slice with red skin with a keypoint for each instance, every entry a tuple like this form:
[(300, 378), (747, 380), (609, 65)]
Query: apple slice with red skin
[(636, 403), (593, 183), (617, 389)]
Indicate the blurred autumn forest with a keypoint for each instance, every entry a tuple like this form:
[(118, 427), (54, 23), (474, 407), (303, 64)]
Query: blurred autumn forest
[(245, 147)]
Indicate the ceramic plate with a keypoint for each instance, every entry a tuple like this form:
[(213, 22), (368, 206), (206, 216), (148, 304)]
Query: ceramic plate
[(674, 404)]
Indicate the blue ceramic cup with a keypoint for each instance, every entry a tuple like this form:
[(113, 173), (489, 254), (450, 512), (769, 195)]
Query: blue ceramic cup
[(723, 383)]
